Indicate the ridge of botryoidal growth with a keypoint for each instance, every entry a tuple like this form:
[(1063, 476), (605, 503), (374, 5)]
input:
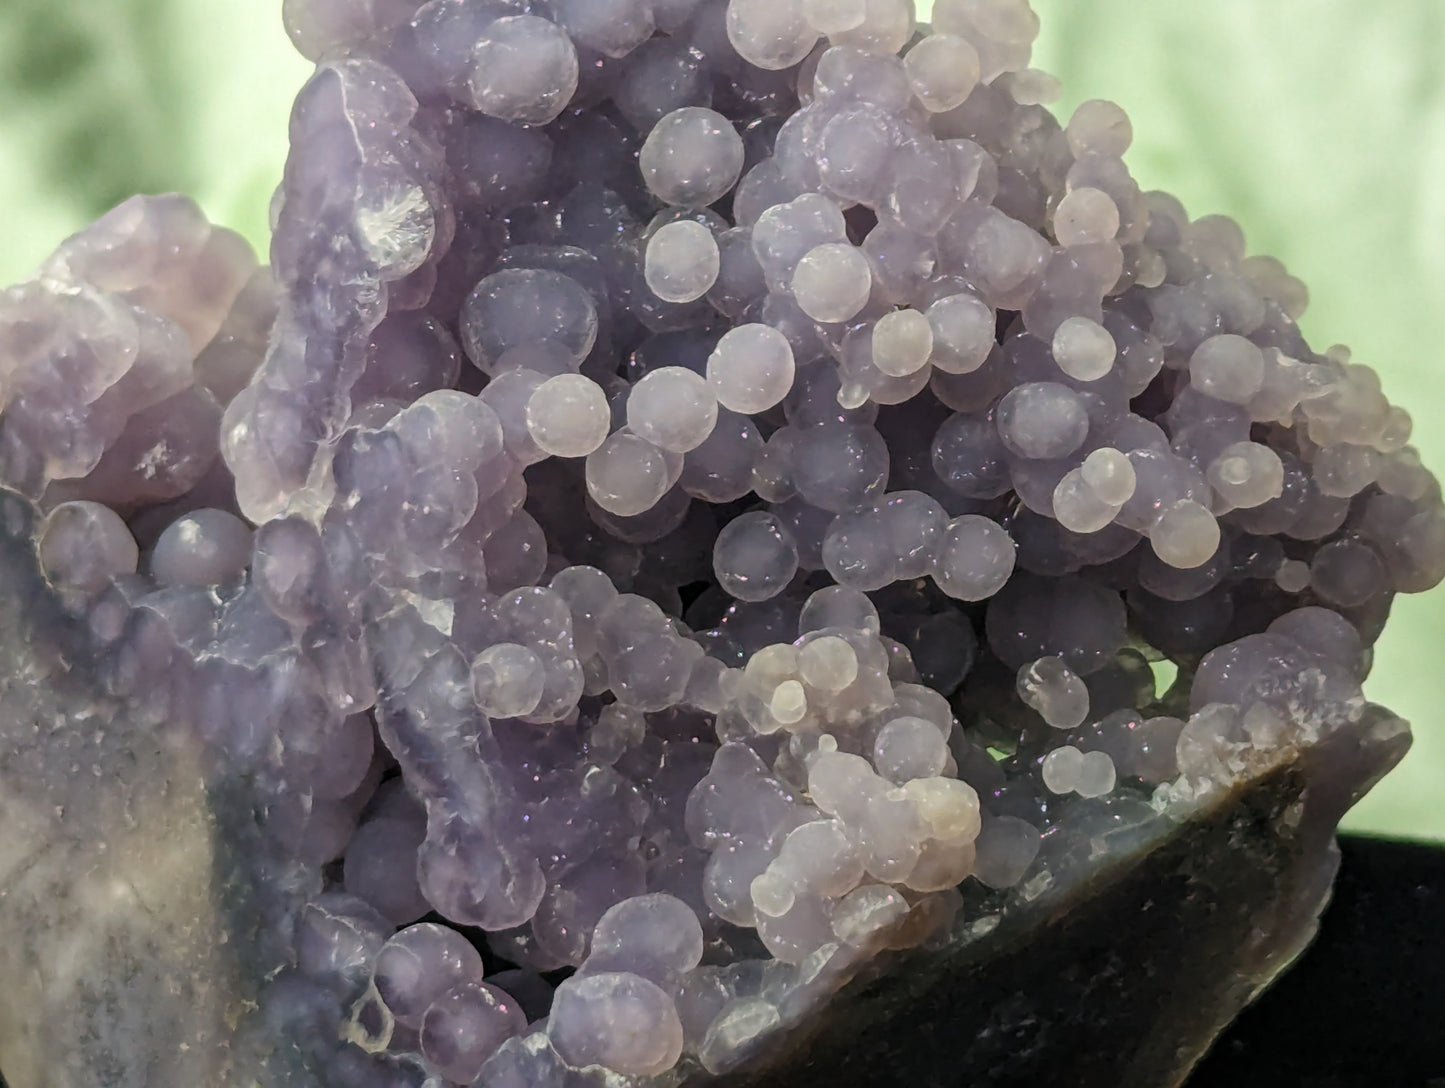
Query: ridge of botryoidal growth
[(699, 481)]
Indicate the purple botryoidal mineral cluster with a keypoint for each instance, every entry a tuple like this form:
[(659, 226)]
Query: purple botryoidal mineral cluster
[(699, 482)]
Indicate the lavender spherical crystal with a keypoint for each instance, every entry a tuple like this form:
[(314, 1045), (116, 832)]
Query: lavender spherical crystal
[(524, 69), (419, 965), (617, 1020), (84, 545), (682, 261), (844, 438), (655, 936), (516, 307), (465, 1026), (672, 408), (755, 557), (203, 548), (691, 157)]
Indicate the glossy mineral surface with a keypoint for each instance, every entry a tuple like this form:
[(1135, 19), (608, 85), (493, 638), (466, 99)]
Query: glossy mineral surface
[(700, 482)]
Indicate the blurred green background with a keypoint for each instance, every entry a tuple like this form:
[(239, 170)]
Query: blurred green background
[(1318, 124)]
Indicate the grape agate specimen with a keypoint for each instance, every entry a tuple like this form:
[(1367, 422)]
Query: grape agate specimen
[(727, 546)]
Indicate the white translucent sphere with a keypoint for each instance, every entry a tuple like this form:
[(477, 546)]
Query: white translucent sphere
[(1096, 775), (1078, 508), (1247, 474), (568, 416), (656, 936), (673, 408), (627, 474), (1069, 770), (771, 34), (963, 333), (1083, 349), (1032, 87), (828, 664), (1228, 368), (1061, 769), (835, 16), (949, 807), (908, 748), (789, 703), (885, 30), (617, 1020), (692, 157), (832, 282), (1109, 474), (1050, 687), (1101, 127), (751, 369), (838, 606), (681, 262), (507, 680), (1186, 535), (942, 70), (902, 343), (1086, 215)]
